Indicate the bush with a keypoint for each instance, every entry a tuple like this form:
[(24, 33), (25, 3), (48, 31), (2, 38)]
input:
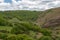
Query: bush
[(57, 38), (3, 22), (46, 32), (19, 37), (24, 37), (25, 28), (45, 38), (13, 37), (3, 35)]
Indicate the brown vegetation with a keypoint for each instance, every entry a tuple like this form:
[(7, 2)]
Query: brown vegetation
[(49, 18)]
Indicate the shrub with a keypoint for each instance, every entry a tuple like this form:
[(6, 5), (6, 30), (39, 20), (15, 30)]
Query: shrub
[(46, 32), (45, 38), (3, 35), (13, 37), (3, 22), (24, 37), (24, 28), (19, 37), (57, 38)]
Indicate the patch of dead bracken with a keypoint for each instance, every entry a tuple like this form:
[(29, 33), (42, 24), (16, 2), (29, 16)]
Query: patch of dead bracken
[(52, 22), (49, 18)]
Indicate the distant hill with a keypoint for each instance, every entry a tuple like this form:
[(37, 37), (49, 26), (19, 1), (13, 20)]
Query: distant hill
[(50, 18), (22, 15)]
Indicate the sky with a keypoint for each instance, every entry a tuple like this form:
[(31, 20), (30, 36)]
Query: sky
[(39, 5)]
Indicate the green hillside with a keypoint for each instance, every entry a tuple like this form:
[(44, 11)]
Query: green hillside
[(30, 25), (19, 25), (21, 15)]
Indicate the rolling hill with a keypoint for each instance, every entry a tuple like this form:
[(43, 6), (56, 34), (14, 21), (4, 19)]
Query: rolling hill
[(30, 25)]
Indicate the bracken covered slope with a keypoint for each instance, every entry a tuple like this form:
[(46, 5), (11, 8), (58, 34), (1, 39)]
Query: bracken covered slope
[(50, 18)]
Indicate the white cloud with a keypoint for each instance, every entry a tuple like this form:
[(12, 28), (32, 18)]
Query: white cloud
[(29, 4), (1, 1)]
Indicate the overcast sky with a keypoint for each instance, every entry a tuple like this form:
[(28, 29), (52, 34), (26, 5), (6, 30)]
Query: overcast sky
[(28, 4)]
